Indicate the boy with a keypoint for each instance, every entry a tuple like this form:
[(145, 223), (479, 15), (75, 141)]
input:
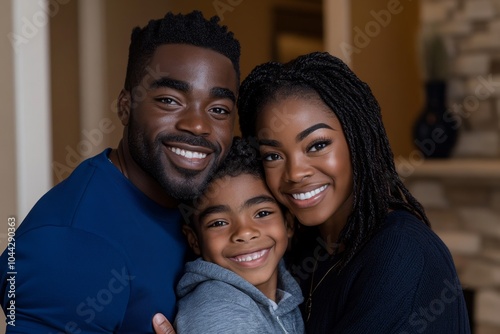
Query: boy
[(240, 284)]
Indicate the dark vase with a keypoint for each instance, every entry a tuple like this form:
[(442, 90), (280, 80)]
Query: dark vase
[(435, 130)]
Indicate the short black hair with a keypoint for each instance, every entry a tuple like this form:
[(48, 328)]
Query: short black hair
[(377, 187), (192, 29)]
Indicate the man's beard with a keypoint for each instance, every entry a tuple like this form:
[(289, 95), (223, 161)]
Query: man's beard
[(148, 155)]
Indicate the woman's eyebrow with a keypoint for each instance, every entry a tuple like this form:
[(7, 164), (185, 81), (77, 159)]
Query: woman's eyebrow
[(303, 134)]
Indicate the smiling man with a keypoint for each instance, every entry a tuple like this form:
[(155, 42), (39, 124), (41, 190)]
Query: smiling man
[(102, 251)]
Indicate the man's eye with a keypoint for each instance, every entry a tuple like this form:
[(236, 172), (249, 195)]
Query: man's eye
[(221, 111), (167, 100)]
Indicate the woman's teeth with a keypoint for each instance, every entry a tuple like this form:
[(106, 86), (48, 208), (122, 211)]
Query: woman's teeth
[(309, 194)]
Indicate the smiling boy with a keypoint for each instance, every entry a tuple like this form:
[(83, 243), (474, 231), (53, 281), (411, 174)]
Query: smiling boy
[(240, 283)]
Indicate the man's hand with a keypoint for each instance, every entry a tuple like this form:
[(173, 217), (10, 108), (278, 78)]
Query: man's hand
[(161, 325)]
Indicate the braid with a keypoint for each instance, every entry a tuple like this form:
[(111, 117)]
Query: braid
[(255, 91), (376, 184)]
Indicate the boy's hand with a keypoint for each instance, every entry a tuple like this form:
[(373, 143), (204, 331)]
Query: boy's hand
[(161, 325)]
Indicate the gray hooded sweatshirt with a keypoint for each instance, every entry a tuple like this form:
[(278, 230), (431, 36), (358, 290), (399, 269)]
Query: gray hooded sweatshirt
[(216, 300)]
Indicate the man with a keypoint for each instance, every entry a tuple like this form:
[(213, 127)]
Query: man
[(102, 251)]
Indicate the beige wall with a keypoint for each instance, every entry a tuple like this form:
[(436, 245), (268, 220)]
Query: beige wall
[(65, 86), (8, 192), (389, 64)]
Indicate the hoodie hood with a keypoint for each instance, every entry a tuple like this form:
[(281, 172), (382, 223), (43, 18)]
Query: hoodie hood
[(200, 271)]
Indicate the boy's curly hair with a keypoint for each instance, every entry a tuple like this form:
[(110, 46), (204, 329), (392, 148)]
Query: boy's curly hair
[(241, 159)]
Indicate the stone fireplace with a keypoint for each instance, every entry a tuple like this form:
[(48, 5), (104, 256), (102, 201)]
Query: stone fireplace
[(462, 200), (461, 194)]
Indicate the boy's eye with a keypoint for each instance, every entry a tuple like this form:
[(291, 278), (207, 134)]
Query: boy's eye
[(217, 223), (263, 213)]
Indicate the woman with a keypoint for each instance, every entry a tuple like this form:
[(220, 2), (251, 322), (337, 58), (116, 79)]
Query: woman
[(366, 258)]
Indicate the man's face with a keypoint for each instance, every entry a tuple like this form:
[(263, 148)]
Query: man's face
[(182, 117)]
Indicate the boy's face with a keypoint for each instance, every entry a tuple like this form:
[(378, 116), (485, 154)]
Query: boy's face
[(241, 228)]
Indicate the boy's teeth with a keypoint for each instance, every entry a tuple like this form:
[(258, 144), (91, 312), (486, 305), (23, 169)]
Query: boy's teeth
[(250, 257), (188, 154), (309, 194)]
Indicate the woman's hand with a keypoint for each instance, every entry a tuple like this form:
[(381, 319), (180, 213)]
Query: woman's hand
[(161, 325)]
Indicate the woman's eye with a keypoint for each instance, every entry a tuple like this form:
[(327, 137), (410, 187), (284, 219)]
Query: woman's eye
[(319, 146)]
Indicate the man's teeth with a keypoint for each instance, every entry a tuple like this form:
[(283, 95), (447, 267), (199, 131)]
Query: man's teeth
[(250, 257), (309, 194), (188, 154)]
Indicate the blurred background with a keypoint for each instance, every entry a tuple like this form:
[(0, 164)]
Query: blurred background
[(433, 65)]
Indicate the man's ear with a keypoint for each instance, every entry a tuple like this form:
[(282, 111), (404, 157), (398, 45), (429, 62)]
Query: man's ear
[(124, 102), (192, 239)]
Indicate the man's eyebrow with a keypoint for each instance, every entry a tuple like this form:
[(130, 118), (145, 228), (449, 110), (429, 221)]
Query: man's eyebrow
[(303, 134), (258, 200), (213, 209), (222, 93), (171, 83)]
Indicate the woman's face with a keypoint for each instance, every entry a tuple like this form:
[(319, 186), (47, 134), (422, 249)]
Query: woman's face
[(307, 161)]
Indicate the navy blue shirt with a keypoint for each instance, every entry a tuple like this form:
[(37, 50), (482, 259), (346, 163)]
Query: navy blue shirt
[(94, 255)]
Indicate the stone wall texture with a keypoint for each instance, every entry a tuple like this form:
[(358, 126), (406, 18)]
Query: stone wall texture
[(471, 32)]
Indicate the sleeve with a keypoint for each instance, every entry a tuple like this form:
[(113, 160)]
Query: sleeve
[(65, 280), (215, 315), (382, 295)]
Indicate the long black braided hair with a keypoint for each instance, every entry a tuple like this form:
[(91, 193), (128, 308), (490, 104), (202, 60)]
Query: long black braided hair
[(377, 187)]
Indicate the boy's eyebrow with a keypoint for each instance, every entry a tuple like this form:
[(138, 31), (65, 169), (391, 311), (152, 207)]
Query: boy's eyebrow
[(224, 208), (258, 200), (303, 134), (213, 209)]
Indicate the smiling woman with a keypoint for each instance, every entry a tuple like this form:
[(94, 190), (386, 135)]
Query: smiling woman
[(307, 162), (365, 256)]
